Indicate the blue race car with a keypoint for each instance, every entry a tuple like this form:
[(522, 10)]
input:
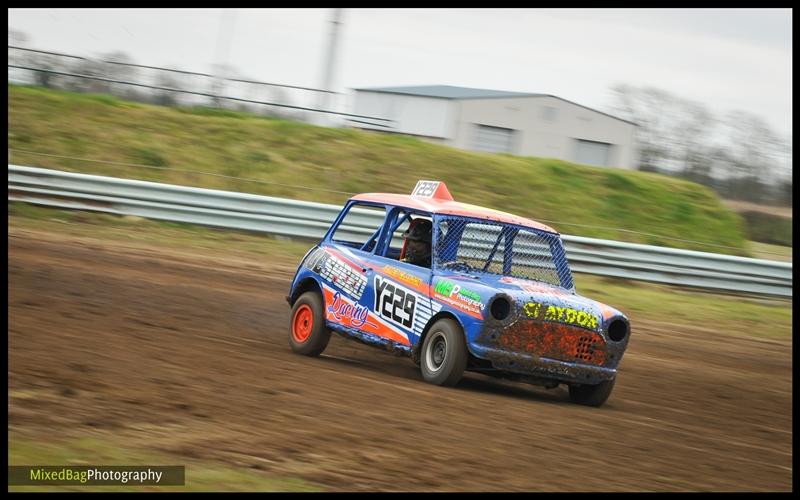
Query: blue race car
[(456, 287)]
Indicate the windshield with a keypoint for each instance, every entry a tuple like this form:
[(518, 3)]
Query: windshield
[(481, 246)]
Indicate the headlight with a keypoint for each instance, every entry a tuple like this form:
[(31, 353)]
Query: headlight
[(617, 330), (500, 307)]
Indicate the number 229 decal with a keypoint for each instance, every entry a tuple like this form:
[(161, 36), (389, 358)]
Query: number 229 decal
[(394, 302)]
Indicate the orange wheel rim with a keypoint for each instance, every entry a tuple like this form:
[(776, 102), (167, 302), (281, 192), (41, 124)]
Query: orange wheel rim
[(302, 324)]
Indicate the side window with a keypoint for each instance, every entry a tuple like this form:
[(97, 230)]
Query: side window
[(417, 252), (360, 224), (396, 243)]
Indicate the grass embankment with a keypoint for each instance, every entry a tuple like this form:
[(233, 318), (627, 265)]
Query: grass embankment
[(737, 315), (331, 163), (768, 228)]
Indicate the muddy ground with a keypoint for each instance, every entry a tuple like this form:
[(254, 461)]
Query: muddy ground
[(188, 355)]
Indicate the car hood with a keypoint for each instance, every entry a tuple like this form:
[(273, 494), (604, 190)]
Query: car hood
[(530, 299)]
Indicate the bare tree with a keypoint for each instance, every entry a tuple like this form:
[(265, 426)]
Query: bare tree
[(752, 143), (220, 84), (225, 84), (32, 59), (119, 66), (17, 38), (738, 154), (785, 192), (168, 80), (88, 67), (645, 107), (17, 57), (692, 142)]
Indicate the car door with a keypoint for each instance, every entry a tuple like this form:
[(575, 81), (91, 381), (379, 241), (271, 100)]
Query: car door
[(346, 271), (400, 290)]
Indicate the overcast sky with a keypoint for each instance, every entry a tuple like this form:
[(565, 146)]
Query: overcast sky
[(727, 59)]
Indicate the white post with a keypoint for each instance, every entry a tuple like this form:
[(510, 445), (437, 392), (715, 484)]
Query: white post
[(224, 38), (328, 72)]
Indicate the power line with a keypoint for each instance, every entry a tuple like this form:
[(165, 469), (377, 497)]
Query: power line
[(204, 94), (171, 70)]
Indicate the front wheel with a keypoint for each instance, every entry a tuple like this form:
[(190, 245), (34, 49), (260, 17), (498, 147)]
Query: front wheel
[(444, 354), (308, 334), (591, 395)]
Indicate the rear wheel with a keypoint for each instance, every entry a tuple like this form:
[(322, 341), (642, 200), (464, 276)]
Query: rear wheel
[(591, 395), (444, 354), (308, 334)]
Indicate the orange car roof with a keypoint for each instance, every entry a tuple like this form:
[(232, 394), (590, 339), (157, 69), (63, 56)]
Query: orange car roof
[(434, 197)]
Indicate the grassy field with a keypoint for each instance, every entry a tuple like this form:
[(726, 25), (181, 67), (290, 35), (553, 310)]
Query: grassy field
[(254, 154), (768, 228), (745, 206), (772, 252), (736, 314)]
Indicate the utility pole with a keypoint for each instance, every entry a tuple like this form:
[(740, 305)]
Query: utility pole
[(224, 38), (329, 64)]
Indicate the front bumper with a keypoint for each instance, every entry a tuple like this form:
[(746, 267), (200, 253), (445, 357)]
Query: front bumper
[(538, 366)]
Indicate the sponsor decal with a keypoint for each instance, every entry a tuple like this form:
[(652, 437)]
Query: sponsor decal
[(313, 259), (403, 276), (457, 296), (395, 302), (340, 309), (561, 314), (353, 315), (335, 270)]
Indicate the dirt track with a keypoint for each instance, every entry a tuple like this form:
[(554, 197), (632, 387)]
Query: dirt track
[(189, 356)]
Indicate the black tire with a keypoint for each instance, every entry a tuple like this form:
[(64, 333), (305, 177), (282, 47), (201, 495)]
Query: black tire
[(443, 358), (308, 334), (591, 395)]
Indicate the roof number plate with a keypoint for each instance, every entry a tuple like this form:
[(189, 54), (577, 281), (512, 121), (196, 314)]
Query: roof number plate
[(425, 189)]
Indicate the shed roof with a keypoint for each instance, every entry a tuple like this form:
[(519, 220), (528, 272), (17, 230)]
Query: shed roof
[(448, 92), (458, 93)]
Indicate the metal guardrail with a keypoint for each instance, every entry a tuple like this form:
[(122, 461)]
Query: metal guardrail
[(302, 219)]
